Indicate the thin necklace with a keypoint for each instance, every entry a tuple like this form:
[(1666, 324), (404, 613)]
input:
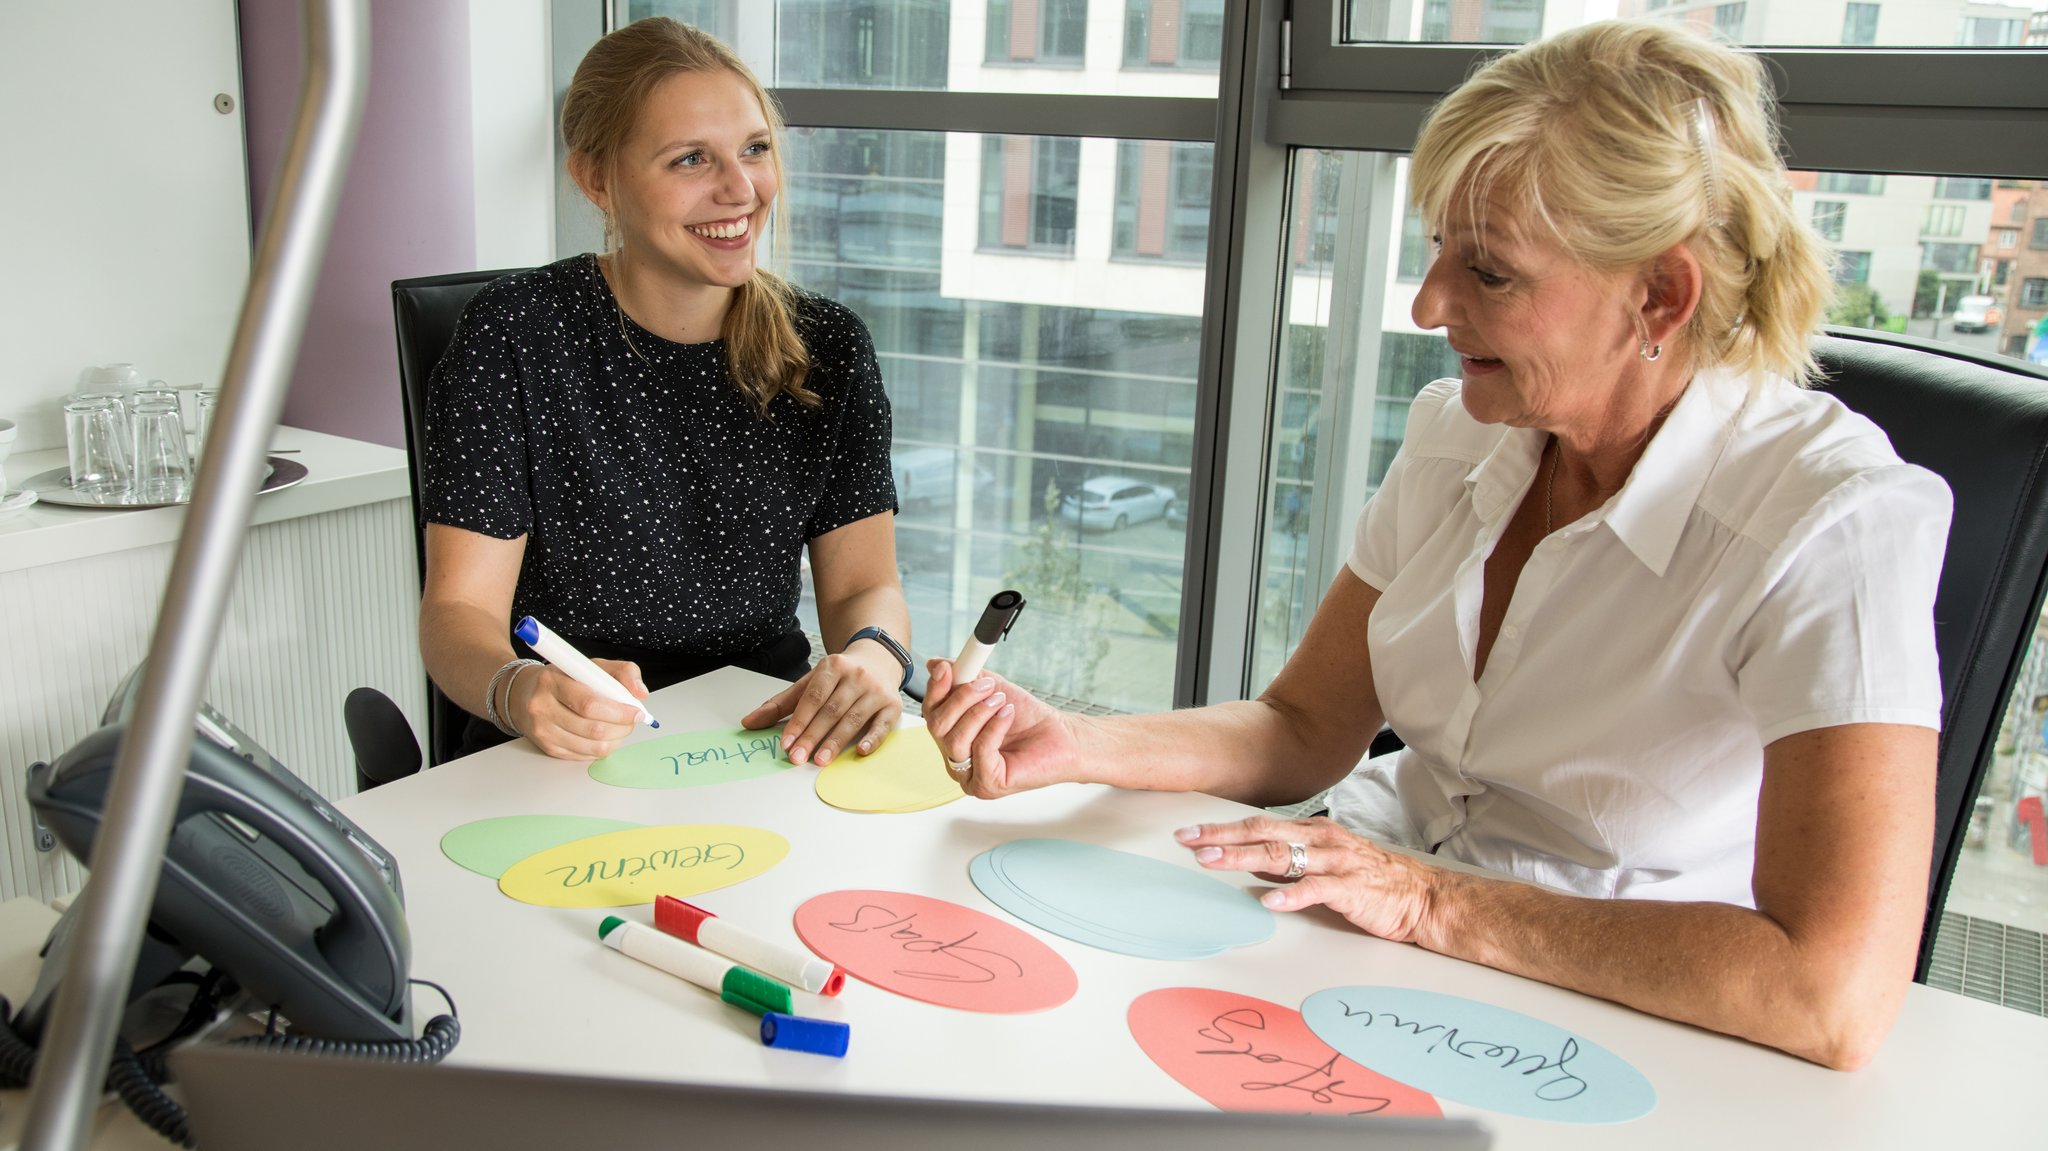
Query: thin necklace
[(1550, 485), (620, 312)]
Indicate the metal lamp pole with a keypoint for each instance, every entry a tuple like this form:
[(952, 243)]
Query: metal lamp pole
[(149, 774)]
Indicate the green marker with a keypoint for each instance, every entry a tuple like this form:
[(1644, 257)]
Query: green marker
[(715, 973)]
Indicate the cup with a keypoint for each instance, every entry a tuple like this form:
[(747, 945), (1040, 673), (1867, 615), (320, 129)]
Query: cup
[(96, 432), (203, 406), (163, 471), (7, 431)]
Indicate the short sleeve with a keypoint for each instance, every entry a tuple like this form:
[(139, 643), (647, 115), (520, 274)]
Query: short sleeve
[(475, 461), (1376, 550), (1844, 628), (859, 481)]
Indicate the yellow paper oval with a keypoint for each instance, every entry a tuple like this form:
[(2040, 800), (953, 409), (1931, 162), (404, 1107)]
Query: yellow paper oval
[(622, 868), (907, 773)]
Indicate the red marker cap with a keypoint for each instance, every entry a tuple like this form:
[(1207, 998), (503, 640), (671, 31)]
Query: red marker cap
[(677, 918)]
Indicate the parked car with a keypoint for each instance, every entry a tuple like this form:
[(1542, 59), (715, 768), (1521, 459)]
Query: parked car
[(1115, 502), (925, 477), (1976, 314)]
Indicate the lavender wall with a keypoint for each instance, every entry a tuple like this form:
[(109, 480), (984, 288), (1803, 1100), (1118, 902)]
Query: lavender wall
[(408, 208)]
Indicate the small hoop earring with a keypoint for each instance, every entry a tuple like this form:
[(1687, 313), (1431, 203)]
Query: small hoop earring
[(1650, 351)]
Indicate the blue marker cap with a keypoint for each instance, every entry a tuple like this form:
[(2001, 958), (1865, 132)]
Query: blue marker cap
[(800, 1033), (528, 630)]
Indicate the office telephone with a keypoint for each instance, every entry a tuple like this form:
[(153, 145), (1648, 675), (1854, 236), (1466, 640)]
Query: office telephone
[(262, 878)]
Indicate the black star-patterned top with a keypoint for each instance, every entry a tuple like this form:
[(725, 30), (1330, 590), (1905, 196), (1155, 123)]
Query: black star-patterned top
[(663, 513)]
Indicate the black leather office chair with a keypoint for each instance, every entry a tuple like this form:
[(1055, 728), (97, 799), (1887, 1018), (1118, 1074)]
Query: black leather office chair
[(1981, 423), (425, 310)]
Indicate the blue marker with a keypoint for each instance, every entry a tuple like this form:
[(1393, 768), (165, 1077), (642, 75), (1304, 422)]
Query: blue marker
[(577, 666)]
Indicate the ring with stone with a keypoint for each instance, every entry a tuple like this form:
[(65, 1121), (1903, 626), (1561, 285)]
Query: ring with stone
[(1297, 861)]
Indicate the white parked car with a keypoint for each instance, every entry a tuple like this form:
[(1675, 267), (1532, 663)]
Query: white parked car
[(1115, 502), (925, 477), (1976, 314)]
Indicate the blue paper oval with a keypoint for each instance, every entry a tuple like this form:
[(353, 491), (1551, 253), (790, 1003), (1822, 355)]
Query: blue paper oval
[(1479, 1054)]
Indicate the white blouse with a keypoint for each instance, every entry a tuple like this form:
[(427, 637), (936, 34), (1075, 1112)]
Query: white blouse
[(1768, 568)]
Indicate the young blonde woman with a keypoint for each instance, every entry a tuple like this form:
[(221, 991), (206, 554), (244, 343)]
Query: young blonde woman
[(1651, 617), (636, 447)]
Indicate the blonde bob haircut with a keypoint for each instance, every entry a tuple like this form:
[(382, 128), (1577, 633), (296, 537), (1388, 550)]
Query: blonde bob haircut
[(763, 350), (1627, 138)]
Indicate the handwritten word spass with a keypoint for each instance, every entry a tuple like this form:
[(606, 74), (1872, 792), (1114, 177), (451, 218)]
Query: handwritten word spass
[(1245, 1054), (623, 868), (934, 951), (1479, 1054)]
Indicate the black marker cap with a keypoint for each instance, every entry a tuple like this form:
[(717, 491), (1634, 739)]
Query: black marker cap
[(997, 617)]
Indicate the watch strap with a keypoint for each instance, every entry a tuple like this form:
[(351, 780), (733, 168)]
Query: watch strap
[(896, 649)]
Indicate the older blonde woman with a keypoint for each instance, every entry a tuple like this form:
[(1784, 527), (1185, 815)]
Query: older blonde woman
[(1654, 620)]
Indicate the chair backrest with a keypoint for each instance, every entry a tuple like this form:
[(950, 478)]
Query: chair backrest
[(424, 312), (1981, 423)]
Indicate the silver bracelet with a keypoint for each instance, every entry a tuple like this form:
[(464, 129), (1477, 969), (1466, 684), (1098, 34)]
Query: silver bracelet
[(507, 726), (491, 696)]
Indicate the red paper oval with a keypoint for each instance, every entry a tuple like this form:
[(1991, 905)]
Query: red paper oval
[(1245, 1054), (933, 951)]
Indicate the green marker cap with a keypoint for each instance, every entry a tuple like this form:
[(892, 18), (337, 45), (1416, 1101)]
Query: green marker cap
[(605, 928), (756, 992)]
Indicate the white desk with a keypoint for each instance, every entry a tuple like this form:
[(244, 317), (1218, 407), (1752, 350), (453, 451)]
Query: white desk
[(538, 992)]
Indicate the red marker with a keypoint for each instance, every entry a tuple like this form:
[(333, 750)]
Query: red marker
[(686, 921)]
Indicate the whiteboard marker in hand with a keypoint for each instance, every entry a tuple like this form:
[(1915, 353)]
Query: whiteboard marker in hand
[(577, 666), (993, 625)]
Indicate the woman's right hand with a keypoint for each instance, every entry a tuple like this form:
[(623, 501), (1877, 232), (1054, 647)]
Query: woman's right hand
[(570, 721), (998, 737)]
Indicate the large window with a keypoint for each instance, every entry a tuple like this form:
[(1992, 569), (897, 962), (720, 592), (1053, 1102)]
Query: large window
[(1028, 190), (1173, 33), (1859, 24), (1828, 218), (1050, 32), (1162, 201)]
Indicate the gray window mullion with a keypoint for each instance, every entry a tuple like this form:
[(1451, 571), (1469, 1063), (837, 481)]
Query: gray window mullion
[(1006, 113)]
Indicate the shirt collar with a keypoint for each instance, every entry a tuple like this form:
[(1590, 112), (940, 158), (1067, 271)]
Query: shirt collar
[(1652, 508)]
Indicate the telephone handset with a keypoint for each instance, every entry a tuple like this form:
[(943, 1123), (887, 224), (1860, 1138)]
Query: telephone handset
[(262, 877)]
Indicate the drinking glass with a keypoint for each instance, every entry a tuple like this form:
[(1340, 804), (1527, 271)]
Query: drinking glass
[(96, 432), (163, 471), (203, 406), (7, 433)]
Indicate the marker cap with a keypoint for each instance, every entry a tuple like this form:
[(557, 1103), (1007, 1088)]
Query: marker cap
[(678, 918), (755, 992), (799, 1033), (528, 630)]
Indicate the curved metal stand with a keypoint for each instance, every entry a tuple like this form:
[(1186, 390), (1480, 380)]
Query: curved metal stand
[(150, 773)]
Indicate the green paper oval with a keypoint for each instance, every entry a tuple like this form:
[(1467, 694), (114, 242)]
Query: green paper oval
[(490, 846), (693, 759)]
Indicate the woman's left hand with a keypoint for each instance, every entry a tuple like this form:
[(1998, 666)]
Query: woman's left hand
[(1384, 894), (846, 697)]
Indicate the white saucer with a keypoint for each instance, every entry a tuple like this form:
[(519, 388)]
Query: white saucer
[(15, 501)]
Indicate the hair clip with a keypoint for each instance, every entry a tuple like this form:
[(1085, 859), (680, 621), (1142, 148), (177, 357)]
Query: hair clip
[(1706, 141)]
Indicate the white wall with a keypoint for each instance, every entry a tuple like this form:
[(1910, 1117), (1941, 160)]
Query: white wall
[(514, 134), (126, 203)]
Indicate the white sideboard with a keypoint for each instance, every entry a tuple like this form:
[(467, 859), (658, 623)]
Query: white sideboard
[(326, 602)]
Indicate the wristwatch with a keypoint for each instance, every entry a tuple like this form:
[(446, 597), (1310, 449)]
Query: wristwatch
[(901, 653)]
